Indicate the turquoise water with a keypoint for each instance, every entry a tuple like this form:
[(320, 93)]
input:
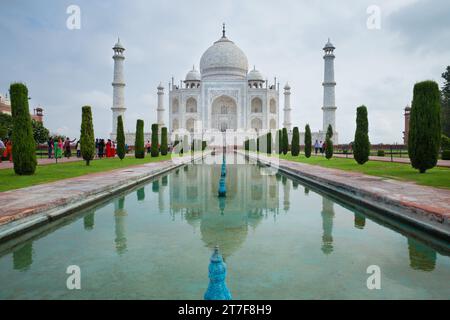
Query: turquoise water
[(279, 238)]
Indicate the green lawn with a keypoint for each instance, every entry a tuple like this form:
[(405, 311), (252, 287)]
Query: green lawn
[(436, 177), (55, 172)]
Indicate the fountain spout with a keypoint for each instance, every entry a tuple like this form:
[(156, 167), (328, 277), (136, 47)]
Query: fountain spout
[(217, 288)]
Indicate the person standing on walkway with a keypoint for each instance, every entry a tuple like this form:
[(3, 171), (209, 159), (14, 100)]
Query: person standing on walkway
[(2, 148), (108, 148), (8, 150), (67, 146), (50, 147), (321, 147), (101, 148), (316, 146), (97, 145), (148, 146), (57, 146), (324, 147), (78, 146)]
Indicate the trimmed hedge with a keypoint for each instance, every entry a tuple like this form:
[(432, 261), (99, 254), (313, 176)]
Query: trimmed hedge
[(329, 143), (154, 150), (164, 143), (23, 144), (308, 141), (139, 150), (425, 126), (295, 143), (120, 138), (361, 145), (284, 141), (446, 155), (87, 138)]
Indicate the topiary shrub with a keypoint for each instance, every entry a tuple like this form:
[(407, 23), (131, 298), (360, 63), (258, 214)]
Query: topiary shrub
[(380, 153), (308, 141), (269, 142), (164, 144), (445, 142), (87, 138), (284, 141), (139, 150), (446, 155), (154, 150), (425, 126), (120, 138), (295, 143), (329, 143), (361, 145), (23, 144), (204, 145)]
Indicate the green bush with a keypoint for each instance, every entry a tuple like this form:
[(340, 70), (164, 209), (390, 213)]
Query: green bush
[(361, 145), (269, 142), (380, 153), (139, 150), (87, 138), (445, 142), (295, 143), (329, 143), (154, 148), (308, 141), (446, 155), (23, 144), (284, 141), (164, 144), (120, 138), (425, 126), (204, 145), (246, 145)]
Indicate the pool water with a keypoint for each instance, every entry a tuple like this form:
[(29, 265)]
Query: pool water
[(280, 240)]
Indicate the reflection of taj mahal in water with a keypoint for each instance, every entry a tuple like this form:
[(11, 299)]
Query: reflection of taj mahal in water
[(224, 222)]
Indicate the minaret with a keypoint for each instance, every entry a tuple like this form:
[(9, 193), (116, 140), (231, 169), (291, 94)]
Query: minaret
[(329, 102), (287, 107), (160, 109), (118, 84)]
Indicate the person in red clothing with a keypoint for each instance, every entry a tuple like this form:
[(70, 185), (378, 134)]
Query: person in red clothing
[(108, 149), (8, 150)]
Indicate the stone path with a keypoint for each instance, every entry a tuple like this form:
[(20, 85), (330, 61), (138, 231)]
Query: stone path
[(68, 194), (421, 203)]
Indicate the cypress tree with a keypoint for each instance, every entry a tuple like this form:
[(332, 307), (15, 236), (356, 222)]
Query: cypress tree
[(87, 138), (23, 144), (139, 152), (308, 141), (361, 143), (120, 138), (269, 142), (329, 143), (445, 109), (155, 148), (425, 126), (285, 141), (295, 143), (164, 144)]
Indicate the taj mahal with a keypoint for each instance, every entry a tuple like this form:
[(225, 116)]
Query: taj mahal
[(225, 97)]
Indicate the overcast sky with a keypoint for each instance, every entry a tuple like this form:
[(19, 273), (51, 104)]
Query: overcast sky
[(66, 69)]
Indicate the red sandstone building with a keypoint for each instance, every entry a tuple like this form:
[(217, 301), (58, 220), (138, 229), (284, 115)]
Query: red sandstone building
[(5, 107)]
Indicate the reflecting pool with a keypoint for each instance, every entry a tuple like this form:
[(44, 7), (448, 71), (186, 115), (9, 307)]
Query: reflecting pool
[(280, 239)]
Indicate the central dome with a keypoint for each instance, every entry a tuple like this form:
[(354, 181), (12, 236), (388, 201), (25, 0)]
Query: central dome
[(224, 59)]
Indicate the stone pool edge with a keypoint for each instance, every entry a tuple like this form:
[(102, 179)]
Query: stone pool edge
[(41, 217), (428, 221)]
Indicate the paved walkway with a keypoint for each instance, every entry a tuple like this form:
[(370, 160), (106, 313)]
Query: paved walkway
[(44, 161), (421, 203), (441, 163)]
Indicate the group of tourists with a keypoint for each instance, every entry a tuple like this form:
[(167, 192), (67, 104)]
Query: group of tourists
[(106, 149), (6, 150), (320, 147), (57, 147)]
